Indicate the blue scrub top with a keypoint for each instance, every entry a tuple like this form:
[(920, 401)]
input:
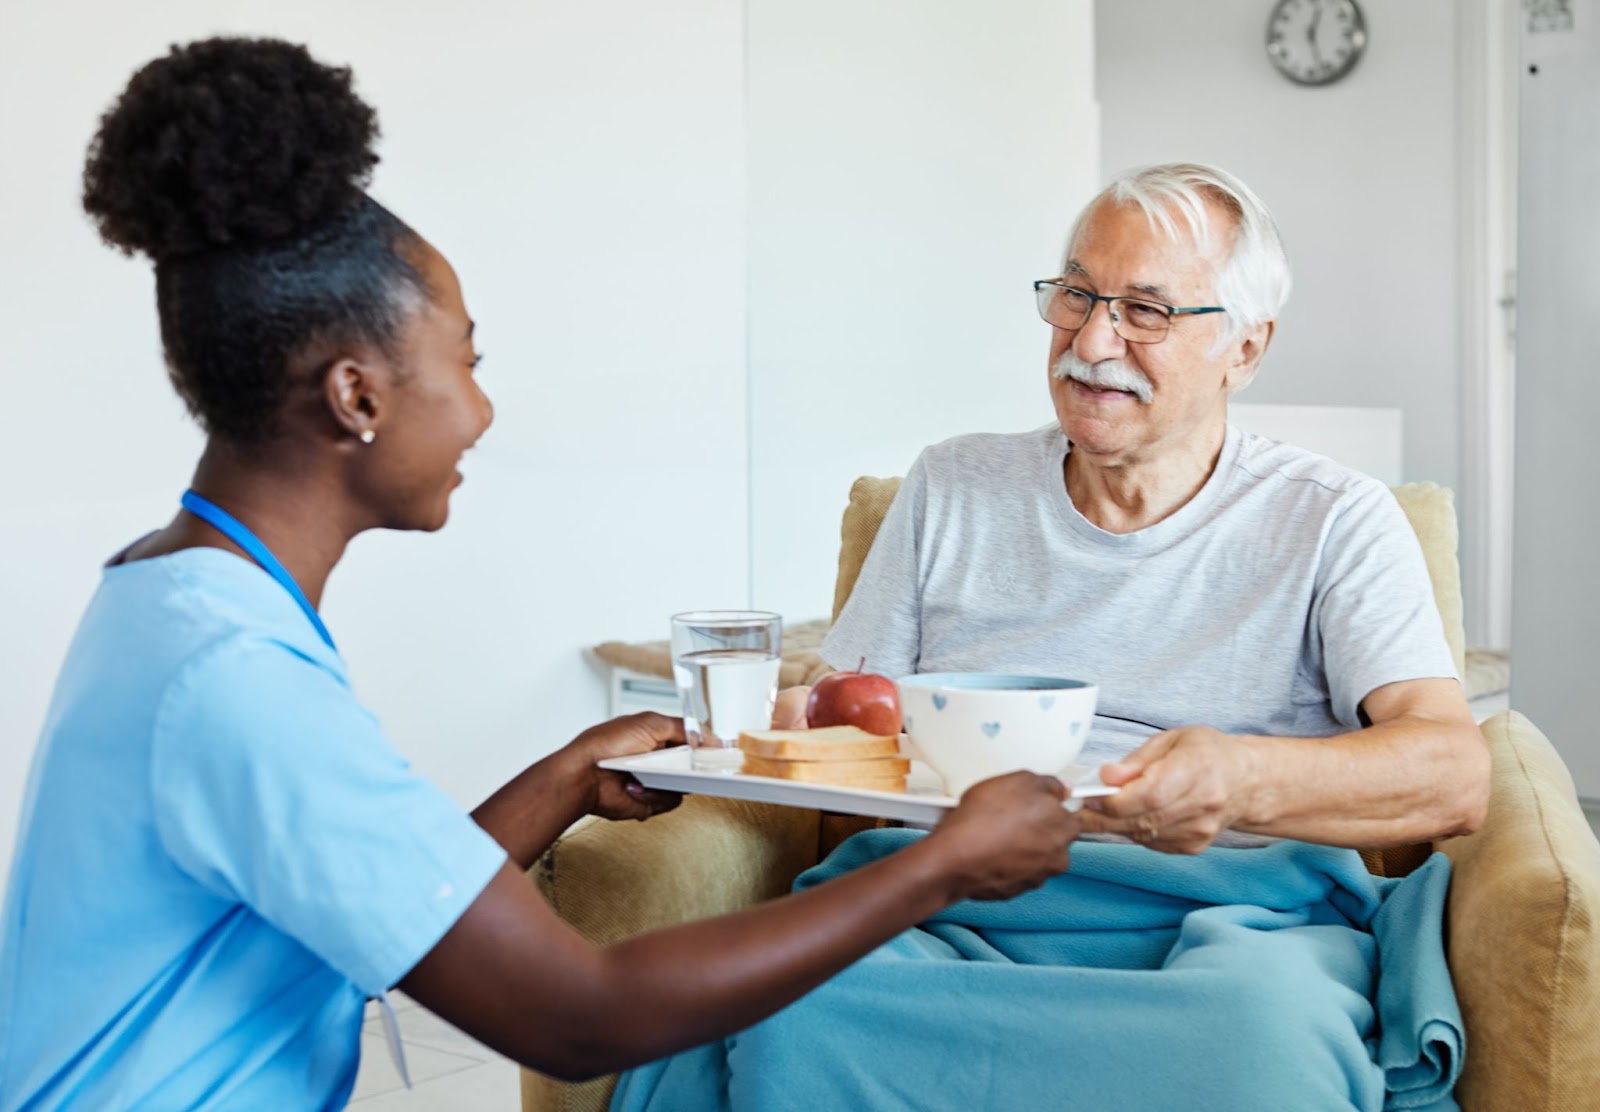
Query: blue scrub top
[(220, 857)]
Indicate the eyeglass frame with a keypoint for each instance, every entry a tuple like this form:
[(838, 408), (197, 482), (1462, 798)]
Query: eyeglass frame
[(1094, 298)]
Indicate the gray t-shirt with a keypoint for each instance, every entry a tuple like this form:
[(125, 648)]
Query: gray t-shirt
[(1273, 602)]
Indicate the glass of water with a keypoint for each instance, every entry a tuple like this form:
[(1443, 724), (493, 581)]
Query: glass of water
[(725, 663)]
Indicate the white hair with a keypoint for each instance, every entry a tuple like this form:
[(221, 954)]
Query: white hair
[(1254, 282)]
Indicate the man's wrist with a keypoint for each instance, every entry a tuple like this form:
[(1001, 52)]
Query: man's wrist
[(1260, 786)]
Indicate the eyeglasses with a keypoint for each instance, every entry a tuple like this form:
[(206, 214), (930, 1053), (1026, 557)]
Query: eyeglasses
[(1139, 322)]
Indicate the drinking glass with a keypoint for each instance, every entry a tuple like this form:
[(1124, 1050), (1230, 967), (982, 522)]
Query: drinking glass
[(725, 663)]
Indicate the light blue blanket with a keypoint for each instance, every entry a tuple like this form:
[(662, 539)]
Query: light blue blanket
[(1277, 978)]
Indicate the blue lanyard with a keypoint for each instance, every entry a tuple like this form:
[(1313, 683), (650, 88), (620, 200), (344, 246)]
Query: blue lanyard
[(235, 530)]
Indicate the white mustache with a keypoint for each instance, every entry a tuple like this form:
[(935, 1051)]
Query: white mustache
[(1108, 374)]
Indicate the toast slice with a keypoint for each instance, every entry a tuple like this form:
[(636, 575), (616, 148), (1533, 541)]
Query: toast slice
[(828, 772), (877, 784), (829, 743)]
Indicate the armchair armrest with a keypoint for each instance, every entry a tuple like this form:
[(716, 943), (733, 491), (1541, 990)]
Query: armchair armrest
[(1524, 933), (612, 880)]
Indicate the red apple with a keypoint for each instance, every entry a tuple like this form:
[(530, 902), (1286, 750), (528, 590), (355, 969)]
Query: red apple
[(863, 699)]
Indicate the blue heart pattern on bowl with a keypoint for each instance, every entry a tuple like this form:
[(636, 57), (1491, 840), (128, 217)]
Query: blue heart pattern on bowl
[(939, 701), (990, 729), (1046, 702), (1076, 726)]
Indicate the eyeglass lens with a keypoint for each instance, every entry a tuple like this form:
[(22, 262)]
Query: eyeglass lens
[(1067, 308)]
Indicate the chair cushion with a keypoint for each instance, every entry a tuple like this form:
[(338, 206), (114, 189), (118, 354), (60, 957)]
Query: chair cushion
[(1431, 510), (869, 501), (801, 663), (1524, 943)]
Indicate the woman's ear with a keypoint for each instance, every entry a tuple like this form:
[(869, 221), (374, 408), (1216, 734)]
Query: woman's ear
[(354, 390), (1248, 354)]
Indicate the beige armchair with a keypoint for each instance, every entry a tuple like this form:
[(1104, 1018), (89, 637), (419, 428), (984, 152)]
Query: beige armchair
[(1523, 917)]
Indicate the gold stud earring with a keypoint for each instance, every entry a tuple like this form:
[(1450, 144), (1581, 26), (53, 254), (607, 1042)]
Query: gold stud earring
[(368, 436)]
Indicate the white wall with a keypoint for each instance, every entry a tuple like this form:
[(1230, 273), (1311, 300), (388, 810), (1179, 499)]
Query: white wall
[(561, 155), (1556, 604), (1360, 174), (913, 168)]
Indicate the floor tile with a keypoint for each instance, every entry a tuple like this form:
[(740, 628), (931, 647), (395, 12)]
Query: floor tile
[(488, 1087), (377, 1074), (421, 1027)]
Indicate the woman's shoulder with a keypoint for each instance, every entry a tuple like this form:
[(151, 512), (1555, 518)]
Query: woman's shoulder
[(196, 624), (198, 596)]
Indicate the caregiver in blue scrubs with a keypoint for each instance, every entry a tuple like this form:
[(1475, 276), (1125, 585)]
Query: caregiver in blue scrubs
[(221, 856)]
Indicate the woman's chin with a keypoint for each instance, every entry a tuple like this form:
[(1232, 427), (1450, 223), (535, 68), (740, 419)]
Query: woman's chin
[(439, 517)]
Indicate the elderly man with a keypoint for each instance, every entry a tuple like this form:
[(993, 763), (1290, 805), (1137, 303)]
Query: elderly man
[(1274, 682), (1232, 596)]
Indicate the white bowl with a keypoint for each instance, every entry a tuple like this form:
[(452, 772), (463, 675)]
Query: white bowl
[(970, 726)]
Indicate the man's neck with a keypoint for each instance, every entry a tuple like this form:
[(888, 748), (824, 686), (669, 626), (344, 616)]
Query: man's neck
[(1124, 495)]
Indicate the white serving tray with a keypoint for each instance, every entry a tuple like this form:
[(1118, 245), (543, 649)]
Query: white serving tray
[(924, 800)]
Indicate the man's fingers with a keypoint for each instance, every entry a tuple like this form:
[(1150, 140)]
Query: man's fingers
[(1134, 765), (789, 709), (1164, 780), (1126, 803)]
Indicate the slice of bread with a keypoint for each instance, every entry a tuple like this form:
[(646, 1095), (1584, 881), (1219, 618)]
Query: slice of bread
[(829, 743), (828, 772)]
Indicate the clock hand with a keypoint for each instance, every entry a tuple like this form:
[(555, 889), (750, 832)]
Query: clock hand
[(1311, 31)]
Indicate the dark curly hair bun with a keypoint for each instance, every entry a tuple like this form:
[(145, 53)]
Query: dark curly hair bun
[(228, 143)]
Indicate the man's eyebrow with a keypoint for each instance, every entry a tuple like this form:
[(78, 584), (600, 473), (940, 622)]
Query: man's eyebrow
[(1160, 293), (1075, 269)]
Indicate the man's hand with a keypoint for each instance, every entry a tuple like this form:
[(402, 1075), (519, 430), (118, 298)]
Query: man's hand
[(616, 795), (789, 712), (1180, 789)]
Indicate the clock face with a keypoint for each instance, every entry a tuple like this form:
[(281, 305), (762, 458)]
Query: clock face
[(1315, 42)]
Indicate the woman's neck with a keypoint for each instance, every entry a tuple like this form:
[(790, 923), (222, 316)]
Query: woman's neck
[(298, 513)]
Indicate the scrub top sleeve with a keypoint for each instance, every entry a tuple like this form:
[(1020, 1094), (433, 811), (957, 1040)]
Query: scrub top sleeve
[(275, 788)]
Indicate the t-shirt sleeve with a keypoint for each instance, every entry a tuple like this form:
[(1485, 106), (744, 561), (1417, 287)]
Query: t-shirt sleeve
[(1374, 609), (273, 786), (882, 621)]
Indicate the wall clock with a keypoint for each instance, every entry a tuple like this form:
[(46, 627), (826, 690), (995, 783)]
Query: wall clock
[(1315, 42)]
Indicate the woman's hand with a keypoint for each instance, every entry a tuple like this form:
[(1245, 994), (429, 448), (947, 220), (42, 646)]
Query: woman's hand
[(617, 795), (1007, 835), (1180, 789)]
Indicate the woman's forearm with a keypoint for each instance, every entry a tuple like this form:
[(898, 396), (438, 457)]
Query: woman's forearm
[(513, 975)]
